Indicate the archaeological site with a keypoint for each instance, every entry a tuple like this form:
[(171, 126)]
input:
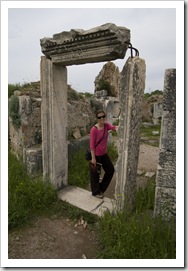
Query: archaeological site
[(50, 129)]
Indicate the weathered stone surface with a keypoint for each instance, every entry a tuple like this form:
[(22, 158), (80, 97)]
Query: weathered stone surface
[(110, 74), (132, 85), (54, 122), (32, 157), (76, 133), (165, 197), (166, 172), (169, 94), (152, 108), (103, 43), (168, 132), (166, 202), (80, 115)]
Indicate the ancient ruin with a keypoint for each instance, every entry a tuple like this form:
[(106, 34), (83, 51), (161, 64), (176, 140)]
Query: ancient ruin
[(132, 85), (165, 194), (44, 116), (103, 43)]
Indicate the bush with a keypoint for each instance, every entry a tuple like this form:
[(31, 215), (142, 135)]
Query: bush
[(72, 95), (104, 85), (12, 88)]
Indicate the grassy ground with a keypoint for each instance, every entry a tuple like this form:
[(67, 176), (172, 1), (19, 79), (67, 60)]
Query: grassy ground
[(138, 236)]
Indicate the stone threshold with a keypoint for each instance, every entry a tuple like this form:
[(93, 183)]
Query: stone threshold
[(83, 199)]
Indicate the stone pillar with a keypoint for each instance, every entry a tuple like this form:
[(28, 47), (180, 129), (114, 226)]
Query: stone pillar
[(108, 108), (54, 122), (165, 194), (132, 85)]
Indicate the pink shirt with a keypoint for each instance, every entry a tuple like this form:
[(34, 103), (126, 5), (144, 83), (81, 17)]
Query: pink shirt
[(96, 135)]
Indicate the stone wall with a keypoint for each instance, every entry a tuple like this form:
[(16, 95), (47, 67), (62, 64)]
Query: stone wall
[(165, 195), (26, 140)]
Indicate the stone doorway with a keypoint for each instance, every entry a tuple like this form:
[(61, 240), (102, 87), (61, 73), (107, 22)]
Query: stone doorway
[(104, 43)]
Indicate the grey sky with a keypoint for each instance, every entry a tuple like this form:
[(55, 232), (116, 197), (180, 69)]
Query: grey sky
[(153, 33)]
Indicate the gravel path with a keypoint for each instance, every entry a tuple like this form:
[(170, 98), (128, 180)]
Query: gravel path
[(148, 158)]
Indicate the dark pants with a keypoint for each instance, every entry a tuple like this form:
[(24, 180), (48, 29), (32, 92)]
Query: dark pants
[(96, 186)]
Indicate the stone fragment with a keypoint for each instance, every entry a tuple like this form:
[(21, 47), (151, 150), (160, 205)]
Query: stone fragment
[(149, 174), (103, 43), (77, 134)]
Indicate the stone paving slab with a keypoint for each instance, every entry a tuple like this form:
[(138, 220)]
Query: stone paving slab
[(83, 199)]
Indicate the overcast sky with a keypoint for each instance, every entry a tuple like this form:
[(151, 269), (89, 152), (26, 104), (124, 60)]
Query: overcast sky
[(153, 33)]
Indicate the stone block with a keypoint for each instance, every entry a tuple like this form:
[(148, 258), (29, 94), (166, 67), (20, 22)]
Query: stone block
[(132, 85), (103, 43), (54, 122), (32, 157), (76, 133), (168, 132), (169, 92), (166, 172), (165, 202)]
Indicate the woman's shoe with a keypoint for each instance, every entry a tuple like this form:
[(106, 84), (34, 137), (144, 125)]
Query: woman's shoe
[(99, 196)]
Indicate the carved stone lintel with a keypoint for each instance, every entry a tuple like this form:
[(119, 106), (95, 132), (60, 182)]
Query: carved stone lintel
[(102, 43)]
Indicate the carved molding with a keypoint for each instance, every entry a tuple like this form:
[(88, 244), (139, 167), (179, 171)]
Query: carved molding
[(103, 43)]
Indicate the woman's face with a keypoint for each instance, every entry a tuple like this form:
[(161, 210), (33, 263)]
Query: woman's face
[(101, 117)]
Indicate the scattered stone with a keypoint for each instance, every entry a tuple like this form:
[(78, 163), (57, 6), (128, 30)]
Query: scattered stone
[(75, 232), (155, 132), (77, 134), (85, 225), (149, 174), (83, 256), (140, 172)]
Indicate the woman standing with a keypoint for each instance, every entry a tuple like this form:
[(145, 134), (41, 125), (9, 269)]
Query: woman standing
[(98, 146)]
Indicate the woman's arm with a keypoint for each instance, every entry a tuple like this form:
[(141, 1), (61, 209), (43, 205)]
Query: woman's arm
[(93, 158)]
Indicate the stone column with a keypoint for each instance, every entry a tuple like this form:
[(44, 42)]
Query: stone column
[(54, 122), (165, 194), (132, 85), (108, 108)]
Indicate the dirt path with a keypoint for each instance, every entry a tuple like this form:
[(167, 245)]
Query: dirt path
[(58, 238), (51, 238)]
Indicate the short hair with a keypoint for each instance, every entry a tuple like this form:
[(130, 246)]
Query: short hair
[(100, 111)]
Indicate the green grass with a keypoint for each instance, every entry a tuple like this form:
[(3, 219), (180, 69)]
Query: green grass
[(137, 237), (78, 170), (147, 134), (31, 196)]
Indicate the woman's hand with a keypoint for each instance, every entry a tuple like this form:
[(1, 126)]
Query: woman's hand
[(93, 162)]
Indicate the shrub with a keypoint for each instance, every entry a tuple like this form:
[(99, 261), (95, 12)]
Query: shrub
[(103, 84), (12, 88), (72, 95)]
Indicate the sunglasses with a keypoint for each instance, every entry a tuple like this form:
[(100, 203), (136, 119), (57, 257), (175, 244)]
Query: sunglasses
[(101, 117)]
